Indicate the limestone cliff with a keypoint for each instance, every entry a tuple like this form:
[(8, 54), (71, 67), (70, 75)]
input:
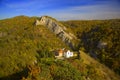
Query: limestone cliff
[(58, 29)]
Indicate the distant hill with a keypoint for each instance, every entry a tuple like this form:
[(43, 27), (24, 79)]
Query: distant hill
[(26, 52)]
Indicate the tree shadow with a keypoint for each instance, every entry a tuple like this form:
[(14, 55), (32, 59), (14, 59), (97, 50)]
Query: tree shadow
[(16, 76)]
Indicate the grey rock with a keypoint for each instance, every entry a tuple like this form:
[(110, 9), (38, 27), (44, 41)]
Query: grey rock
[(58, 29)]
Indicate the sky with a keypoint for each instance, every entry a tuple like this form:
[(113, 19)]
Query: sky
[(62, 9)]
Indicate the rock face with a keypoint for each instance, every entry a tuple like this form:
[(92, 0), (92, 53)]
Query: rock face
[(57, 28)]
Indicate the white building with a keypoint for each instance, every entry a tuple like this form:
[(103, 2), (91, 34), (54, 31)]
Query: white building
[(68, 54)]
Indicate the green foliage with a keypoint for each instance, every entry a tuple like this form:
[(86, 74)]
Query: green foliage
[(65, 71), (93, 33), (22, 43), (58, 70)]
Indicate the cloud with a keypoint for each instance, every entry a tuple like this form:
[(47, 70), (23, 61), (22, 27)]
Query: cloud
[(28, 3), (63, 9), (101, 11), (19, 4)]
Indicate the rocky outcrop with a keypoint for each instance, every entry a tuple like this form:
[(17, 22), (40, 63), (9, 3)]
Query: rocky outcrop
[(57, 28)]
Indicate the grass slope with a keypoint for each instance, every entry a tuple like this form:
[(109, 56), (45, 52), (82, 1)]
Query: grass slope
[(104, 71), (21, 42)]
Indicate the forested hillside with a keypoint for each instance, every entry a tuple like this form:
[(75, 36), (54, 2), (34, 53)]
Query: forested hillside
[(100, 38), (21, 43), (26, 52)]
